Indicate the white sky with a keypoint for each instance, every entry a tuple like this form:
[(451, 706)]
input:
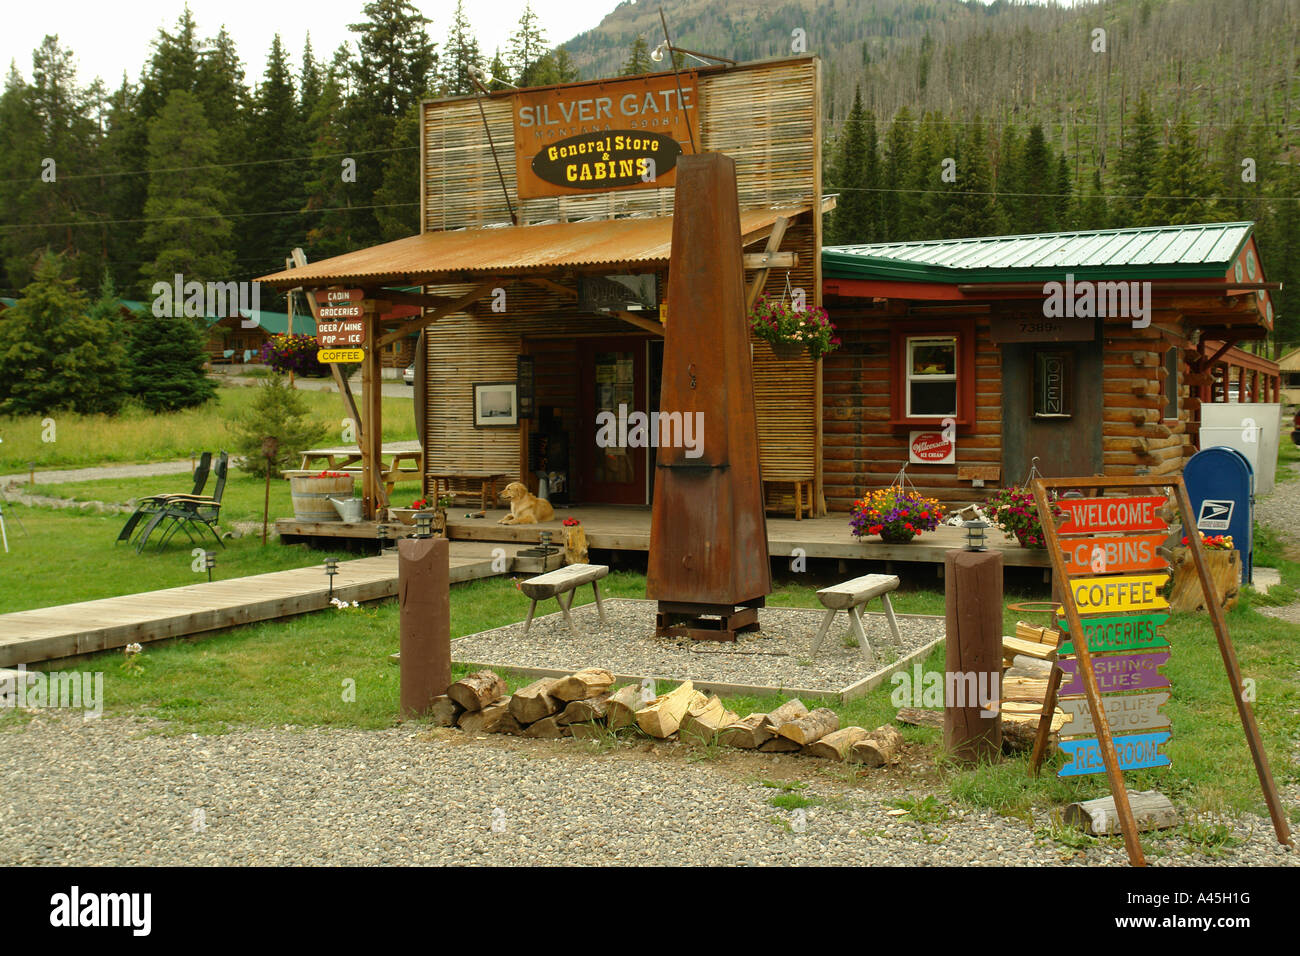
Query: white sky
[(108, 38)]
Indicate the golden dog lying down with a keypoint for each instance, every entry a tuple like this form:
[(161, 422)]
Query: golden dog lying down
[(525, 507)]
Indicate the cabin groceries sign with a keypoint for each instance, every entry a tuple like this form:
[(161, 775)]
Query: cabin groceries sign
[(340, 326), (617, 134), (1116, 575)]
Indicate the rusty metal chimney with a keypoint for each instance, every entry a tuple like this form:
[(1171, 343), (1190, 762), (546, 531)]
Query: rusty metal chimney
[(708, 563)]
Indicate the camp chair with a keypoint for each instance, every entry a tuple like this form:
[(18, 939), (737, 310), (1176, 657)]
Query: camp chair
[(185, 510), (152, 504)]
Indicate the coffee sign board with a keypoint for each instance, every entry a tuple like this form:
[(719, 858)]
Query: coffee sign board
[(626, 133)]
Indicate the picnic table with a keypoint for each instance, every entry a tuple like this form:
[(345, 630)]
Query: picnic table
[(400, 460)]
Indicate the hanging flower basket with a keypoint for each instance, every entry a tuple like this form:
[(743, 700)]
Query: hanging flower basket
[(790, 332), (1013, 510), (895, 513)]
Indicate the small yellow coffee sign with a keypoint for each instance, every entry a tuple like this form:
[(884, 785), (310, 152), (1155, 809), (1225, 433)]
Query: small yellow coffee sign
[(326, 356)]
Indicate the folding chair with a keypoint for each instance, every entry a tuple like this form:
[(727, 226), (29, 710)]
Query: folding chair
[(185, 510), (154, 503)]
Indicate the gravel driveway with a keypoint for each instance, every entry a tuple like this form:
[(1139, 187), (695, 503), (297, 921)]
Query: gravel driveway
[(114, 791)]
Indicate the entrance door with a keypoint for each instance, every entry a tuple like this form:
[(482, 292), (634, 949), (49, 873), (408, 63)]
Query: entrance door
[(1051, 409), (613, 386)]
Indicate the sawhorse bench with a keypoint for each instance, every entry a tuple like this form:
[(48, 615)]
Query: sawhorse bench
[(850, 596), (556, 584)]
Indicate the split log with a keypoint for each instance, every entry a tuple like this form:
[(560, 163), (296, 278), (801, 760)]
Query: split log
[(588, 682), (1031, 667), (1024, 688), (477, 690), (495, 718), (1018, 736), (792, 709), (664, 714), (816, 725), (534, 702), (1043, 635), (582, 711), (1011, 646), (747, 734), (778, 745), (444, 711), (1151, 809), (836, 746), (621, 708), (878, 748), (704, 721), (919, 717), (547, 728)]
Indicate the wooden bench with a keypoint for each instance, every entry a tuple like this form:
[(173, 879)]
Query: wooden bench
[(801, 485), (850, 596), (556, 584)]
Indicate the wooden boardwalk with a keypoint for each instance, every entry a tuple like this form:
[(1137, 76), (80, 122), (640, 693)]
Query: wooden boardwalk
[(69, 630), (627, 528)]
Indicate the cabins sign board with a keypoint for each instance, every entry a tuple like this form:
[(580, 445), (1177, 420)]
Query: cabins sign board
[(617, 134), (340, 326)]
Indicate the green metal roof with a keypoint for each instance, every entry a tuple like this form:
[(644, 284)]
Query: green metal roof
[(1151, 252), (275, 323)]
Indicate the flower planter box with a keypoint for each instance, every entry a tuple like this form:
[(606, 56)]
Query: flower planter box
[(311, 496), (407, 516), (1225, 572)]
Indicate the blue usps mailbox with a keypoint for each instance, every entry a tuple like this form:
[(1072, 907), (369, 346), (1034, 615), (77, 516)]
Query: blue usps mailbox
[(1221, 485)]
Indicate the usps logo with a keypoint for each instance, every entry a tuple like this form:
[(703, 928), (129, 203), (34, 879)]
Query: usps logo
[(1215, 515)]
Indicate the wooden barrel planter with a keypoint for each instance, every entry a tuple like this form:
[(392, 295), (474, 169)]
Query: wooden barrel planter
[(1225, 571), (312, 494)]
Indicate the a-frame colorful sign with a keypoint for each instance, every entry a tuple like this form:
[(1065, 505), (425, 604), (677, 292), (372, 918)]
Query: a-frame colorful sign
[(1112, 648)]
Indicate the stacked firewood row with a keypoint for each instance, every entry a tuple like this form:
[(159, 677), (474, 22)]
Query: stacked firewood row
[(587, 704)]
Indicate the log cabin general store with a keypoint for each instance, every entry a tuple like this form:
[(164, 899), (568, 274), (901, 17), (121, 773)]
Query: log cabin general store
[(541, 267)]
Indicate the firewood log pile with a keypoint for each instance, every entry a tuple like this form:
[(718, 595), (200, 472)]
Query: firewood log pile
[(587, 704)]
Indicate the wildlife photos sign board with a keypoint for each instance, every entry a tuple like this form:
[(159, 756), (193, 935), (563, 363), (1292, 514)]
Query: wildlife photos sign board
[(617, 134)]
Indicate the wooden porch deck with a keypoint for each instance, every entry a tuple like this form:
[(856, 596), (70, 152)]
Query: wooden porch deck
[(627, 528), (70, 630)]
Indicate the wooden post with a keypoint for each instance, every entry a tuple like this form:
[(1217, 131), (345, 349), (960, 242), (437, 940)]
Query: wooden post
[(973, 659), (1229, 654), (372, 399), (424, 596)]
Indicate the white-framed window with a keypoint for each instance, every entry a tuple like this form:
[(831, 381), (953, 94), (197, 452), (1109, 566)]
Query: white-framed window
[(931, 386)]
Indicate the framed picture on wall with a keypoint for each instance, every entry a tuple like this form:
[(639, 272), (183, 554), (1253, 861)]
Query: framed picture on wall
[(496, 405)]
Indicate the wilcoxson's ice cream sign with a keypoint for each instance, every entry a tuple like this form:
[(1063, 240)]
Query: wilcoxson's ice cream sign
[(594, 137)]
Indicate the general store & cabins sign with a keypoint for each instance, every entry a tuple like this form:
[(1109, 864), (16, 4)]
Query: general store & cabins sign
[(617, 134)]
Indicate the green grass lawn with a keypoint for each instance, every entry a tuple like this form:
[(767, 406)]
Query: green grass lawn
[(140, 436)]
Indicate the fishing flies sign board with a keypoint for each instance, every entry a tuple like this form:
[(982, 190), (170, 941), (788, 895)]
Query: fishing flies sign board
[(1113, 622)]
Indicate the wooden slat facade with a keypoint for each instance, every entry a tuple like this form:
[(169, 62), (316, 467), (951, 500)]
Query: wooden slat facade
[(765, 116)]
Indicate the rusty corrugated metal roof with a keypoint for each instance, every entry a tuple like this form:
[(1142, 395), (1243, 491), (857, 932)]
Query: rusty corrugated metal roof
[(510, 250)]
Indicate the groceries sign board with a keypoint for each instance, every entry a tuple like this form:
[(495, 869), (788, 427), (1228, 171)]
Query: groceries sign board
[(1103, 542), (340, 325), (595, 137)]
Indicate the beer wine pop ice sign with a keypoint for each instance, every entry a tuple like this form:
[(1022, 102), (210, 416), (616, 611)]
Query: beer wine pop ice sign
[(340, 325), (1120, 613)]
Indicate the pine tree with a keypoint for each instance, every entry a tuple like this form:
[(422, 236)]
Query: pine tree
[(527, 46), (276, 186), (277, 411), (56, 355), (928, 193), (1183, 188), (459, 54), (500, 73), (1136, 168), (187, 232), (331, 228), (1062, 211), (895, 206), (20, 164), (857, 174), (1037, 183), (968, 208), (166, 362), (638, 60), (565, 71)]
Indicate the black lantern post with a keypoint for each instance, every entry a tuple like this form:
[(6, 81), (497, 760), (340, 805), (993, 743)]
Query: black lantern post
[(331, 569), (424, 525), (209, 562)]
